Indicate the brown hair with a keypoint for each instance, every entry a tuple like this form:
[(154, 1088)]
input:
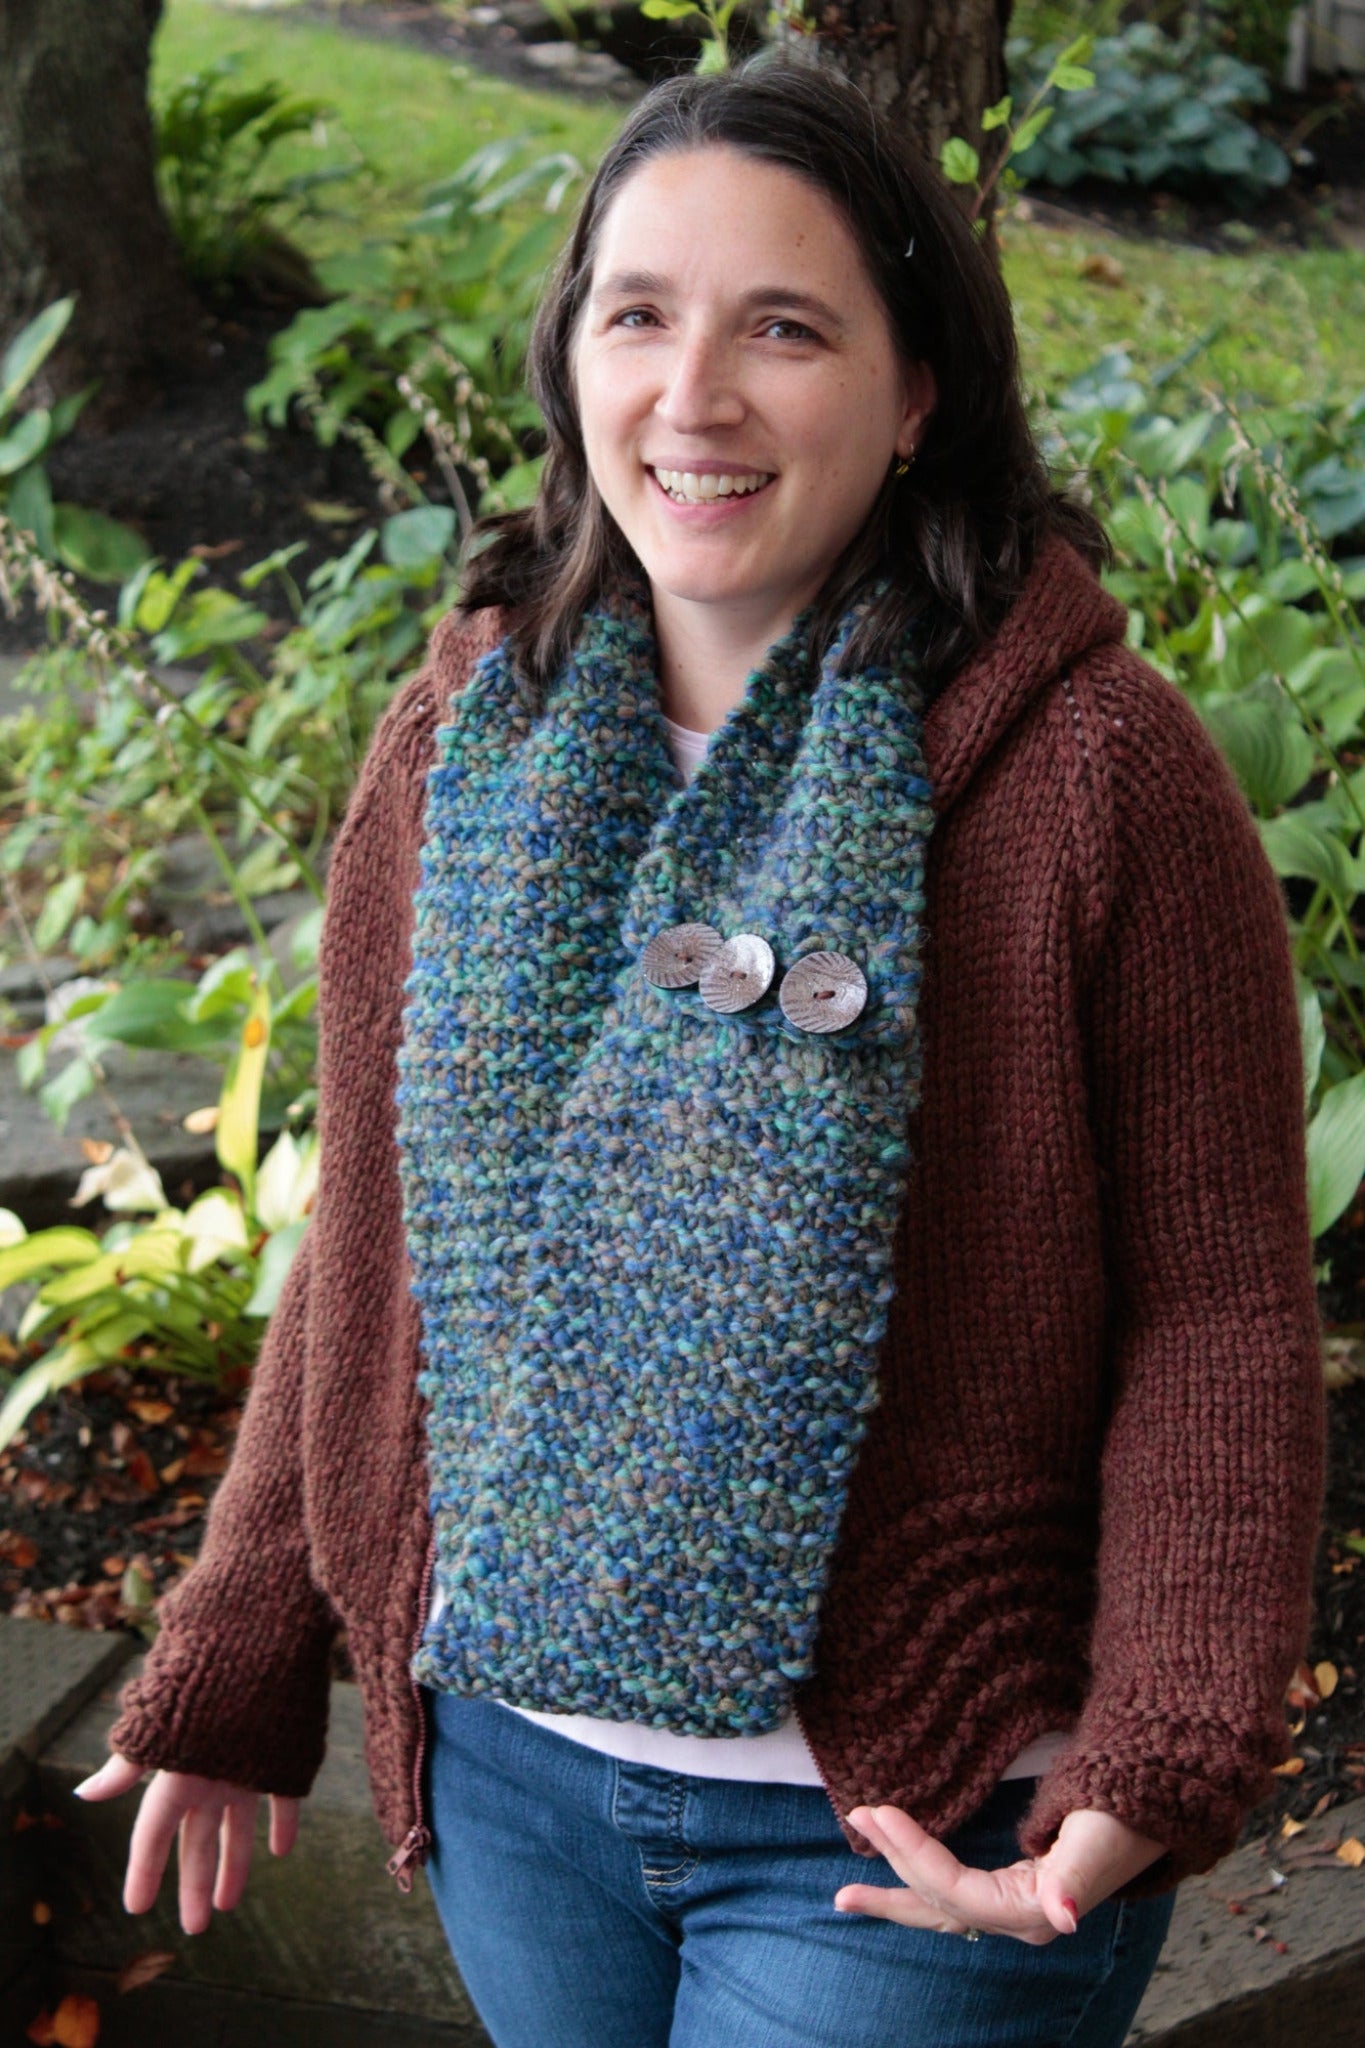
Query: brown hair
[(956, 537)]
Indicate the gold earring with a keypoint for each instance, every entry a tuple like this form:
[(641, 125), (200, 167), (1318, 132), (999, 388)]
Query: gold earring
[(903, 467)]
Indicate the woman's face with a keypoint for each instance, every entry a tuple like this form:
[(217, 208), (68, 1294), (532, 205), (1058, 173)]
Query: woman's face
[(740, 394)]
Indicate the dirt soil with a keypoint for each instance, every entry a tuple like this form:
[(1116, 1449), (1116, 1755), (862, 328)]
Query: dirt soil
[(193, 476)]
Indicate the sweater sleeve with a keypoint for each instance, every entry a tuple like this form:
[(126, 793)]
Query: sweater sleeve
[(236, 1684), (1211, 1476)]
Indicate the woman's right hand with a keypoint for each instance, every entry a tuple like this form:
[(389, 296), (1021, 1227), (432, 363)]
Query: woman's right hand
[(216, 1824)]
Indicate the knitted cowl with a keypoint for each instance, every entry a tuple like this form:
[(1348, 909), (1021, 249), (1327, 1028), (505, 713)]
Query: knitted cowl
[(651, 1241)]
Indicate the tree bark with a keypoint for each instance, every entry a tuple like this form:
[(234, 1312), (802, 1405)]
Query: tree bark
[(931, 66), (79, 210)]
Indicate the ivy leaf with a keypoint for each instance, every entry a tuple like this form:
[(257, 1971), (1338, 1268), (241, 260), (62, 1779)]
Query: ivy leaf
[(998, 115)]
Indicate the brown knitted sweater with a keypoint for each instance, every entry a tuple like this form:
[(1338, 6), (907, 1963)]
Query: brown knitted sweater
[(1088, 1497)]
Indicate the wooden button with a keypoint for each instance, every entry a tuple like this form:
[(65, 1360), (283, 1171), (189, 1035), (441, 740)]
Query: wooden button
[(739, 973), (822, 992), (675, 958)]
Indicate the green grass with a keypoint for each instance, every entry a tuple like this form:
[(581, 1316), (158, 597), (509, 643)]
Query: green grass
[(412, 117), (1284, 325)]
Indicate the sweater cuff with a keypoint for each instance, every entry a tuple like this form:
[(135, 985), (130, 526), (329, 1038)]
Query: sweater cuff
[(194, 1708), (1189, 1785)]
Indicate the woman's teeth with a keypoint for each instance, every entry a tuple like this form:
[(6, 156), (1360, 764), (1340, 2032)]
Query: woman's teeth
[(688, 489)]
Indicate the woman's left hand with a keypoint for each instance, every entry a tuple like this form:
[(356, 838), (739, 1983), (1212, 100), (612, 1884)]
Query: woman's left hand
[(1034, 1900)]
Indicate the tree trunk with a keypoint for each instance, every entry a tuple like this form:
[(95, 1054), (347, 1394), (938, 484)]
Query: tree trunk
[(931, 66), (78, 203)]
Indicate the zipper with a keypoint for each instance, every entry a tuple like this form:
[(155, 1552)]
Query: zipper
[(413, 1848), (801, 1730)]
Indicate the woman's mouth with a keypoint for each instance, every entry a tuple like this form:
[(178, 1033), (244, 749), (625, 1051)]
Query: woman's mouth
[(687, 487)]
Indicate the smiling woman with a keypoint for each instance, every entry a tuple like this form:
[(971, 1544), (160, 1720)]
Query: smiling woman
[(812, 1161), (738, 433)]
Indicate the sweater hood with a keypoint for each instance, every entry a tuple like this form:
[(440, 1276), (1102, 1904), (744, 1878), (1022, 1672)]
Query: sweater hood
[(1061, 615)]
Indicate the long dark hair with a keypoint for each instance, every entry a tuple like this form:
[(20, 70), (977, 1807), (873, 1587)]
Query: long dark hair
[(956, 537)]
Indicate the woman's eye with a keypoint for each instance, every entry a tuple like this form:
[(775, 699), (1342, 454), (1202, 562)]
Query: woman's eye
[(634, 316), (793, 330)]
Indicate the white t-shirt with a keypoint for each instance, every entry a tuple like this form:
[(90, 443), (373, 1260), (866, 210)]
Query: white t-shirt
[(781, 1757)]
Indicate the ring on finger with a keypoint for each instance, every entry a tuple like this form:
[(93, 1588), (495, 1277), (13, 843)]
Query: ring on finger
[(971, 1934)]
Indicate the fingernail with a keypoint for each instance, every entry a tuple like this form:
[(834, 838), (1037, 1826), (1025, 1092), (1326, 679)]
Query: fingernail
[(1069, 1906), (81, 1789)]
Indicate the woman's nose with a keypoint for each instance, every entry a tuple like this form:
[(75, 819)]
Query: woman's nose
[(701, 389)]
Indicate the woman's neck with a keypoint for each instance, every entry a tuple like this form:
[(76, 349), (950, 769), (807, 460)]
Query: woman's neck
[(706, 657)]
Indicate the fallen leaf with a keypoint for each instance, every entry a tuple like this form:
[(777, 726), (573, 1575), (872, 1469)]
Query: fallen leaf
[(1343, 1360), (1326, 1676), (1327, 1800), (75, 2024), (1292, 1827), (40, 2031), (123, 1437), (42, 1912), (142, 1472), (17, 1550), (114, 1567), (97, 1151), (200, 1122), (1289, 1769), (1101, 269), (204, 1459), (144, 1968), (170, 1473), (215, 551), (152, 1412), (1302, 1690), (1352, 1851)]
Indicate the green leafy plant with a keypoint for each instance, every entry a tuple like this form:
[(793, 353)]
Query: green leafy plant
[(1218, 510), (88, 542), (961, 164), (1160, 111), (1255, 30), (215, 137), (258, 755), (716, 17), (163, 1014), (426, 333), (186, 1291)]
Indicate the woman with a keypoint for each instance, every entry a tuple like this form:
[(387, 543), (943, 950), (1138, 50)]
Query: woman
[(834, 1309)]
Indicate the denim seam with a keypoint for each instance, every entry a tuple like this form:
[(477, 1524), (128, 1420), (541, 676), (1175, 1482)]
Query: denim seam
[(1101, 1983)]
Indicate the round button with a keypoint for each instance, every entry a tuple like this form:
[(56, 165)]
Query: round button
[(739, 973), (675, 958), (822, 992)]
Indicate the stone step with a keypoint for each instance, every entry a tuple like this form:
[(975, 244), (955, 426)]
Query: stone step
[(324, 1950)]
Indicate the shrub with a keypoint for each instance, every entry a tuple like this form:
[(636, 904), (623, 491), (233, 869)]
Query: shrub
[(1161, 112)]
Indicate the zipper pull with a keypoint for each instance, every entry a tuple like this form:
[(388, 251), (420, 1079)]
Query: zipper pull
[(416, 1842)]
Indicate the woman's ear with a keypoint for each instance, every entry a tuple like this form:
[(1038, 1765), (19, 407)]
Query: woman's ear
[(921, 396)]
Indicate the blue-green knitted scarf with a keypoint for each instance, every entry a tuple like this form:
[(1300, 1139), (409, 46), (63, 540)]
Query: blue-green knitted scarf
[(651, 1239)]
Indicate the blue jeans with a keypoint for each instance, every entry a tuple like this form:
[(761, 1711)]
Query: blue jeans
[(596, 1904)]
